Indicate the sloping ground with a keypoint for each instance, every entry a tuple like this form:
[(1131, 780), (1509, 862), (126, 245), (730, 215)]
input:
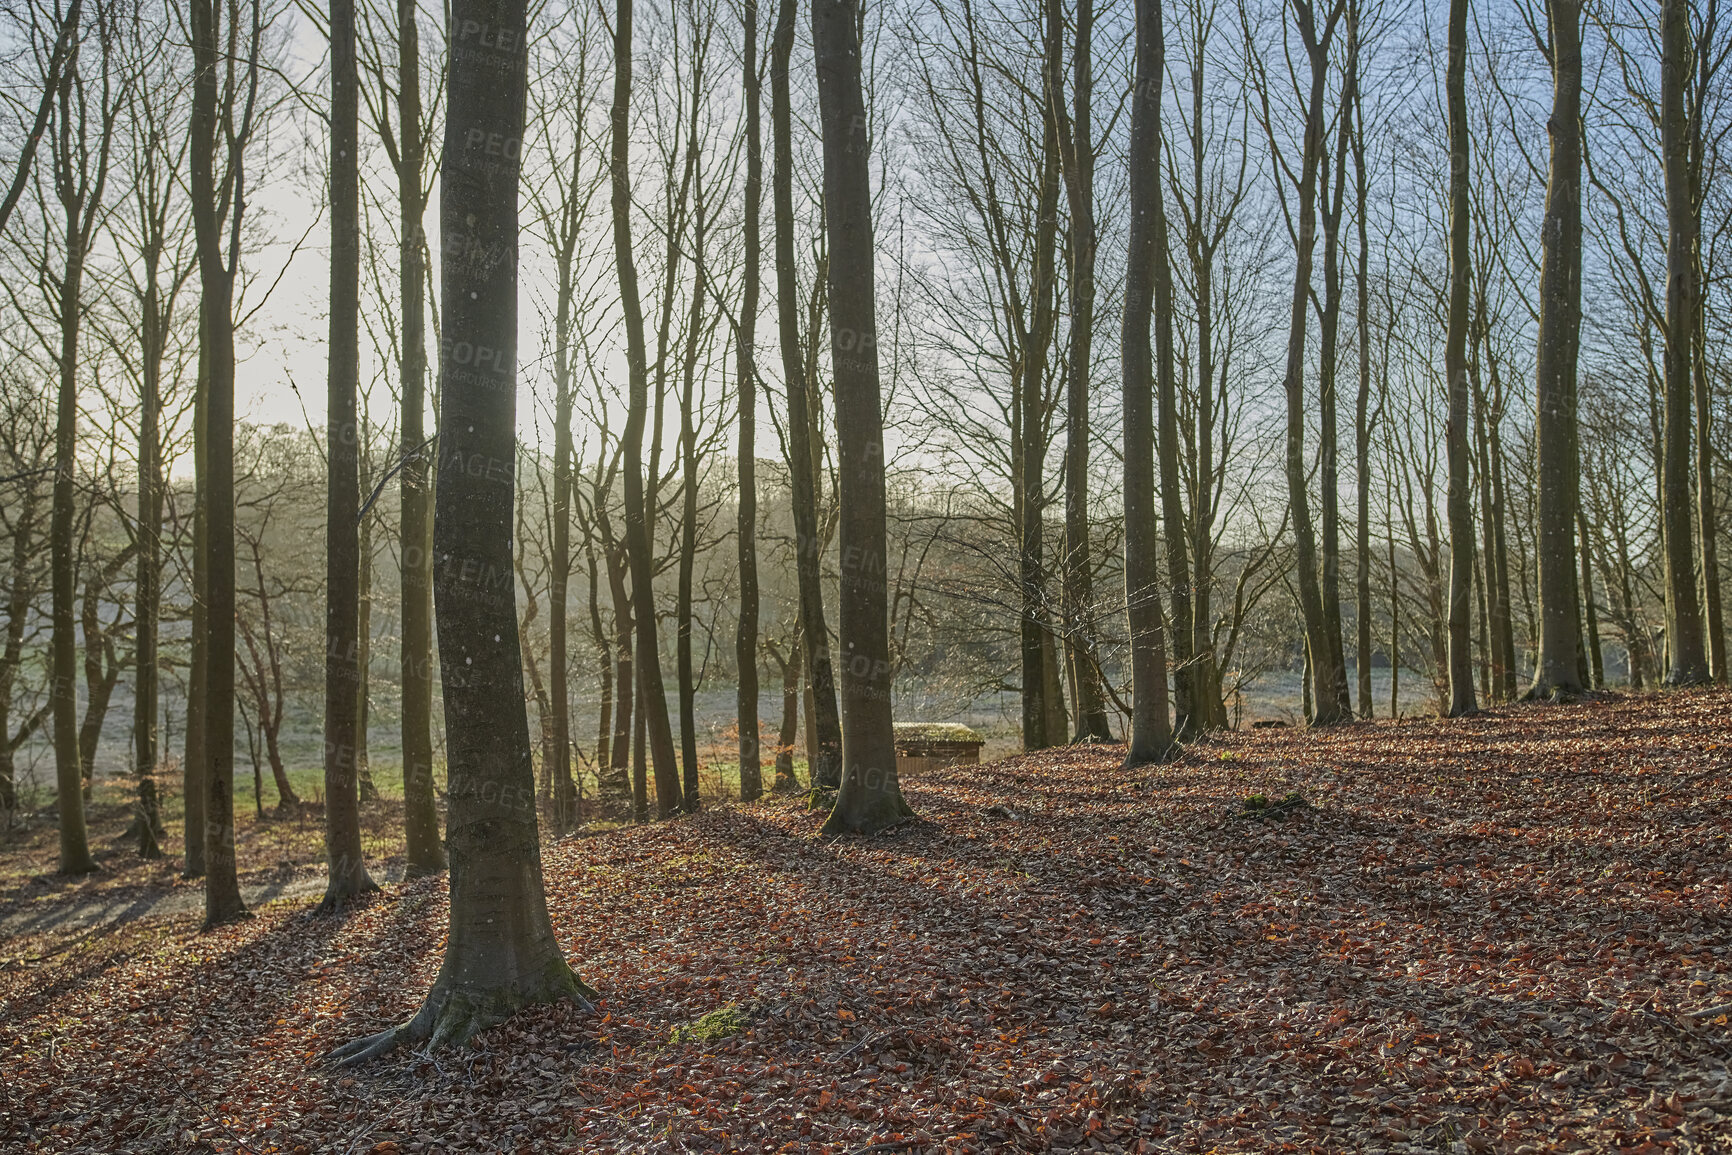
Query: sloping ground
[(1484, 935)]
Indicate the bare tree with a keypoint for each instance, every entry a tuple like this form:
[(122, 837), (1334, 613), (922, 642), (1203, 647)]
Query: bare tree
[(500, 953), (870, 798), (1557, 672), (1150, 739)]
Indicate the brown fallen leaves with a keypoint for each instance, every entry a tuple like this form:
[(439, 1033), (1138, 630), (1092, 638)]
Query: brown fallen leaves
[(1480, 935)]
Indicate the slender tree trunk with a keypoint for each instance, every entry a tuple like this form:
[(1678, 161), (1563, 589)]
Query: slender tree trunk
[(1590, 615), (637, 528), (785, 779), (624, 679), (348, 868), (74, 844), (147, 589), (1685, 644), (565, 814), (1332, 689), (1191, 714), (1363, 420), (745, 340), (1557, 476), (216, 275), (500, 952), (1328, 709), (424, 851), (193, 788), (1706, 518), (687, 689), (825, 733), (870, 798), (366, 789), (1151, 736), (1461, 695), (1077, 151)]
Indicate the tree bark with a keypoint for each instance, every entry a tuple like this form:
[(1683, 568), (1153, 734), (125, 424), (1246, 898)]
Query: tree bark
[(1557, 475), (500, 953), (653, 699), (745, 338), (870, 798), (1461, 694), (1684, 636), (424, 851), (1076, 139), (216, 277), (348, 875), (825, 734), (1151, 736)]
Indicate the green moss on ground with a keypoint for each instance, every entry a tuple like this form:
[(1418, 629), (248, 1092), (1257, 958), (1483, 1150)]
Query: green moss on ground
[(725, 1020)]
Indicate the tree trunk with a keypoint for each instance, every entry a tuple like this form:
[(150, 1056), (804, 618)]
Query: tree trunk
[(1363, 419), (216, 275), (366, 789), (424, 851), (637, 528), (1685, 643), (1461, 695), (1151, 736), (745, 339), (193, 760), (1187, 705), (347, 864), (1332, 690), (1328, 709), (1557, 476), (147, 589), (825, 734), (870, 798), (500, 953), (1076, 141), (687, 689), (74, 844), (1591, 617), (785, 779)]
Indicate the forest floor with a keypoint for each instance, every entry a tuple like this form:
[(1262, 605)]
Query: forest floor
[(1491, 934)]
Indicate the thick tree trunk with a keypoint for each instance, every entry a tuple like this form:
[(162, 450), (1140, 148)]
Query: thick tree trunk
[(347, 864), (1461, 695), (1151, 736), (1684, 635), (424, 851), (870, 798), (746, 364), (1077, 153), (653, 698), (500, 952), (825, 733), (1557, 475)]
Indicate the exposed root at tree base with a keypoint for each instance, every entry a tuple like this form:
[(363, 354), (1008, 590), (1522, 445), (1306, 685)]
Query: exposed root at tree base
[(341, 894), (453, 1013)]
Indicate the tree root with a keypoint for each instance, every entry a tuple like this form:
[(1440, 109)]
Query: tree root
[(453, 1013)]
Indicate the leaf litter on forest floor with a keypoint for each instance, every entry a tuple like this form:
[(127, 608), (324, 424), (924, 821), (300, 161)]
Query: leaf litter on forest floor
[(1488, 934)]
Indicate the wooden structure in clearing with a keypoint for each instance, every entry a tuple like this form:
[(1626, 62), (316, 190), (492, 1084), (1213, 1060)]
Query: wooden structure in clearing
[(928, 745)]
